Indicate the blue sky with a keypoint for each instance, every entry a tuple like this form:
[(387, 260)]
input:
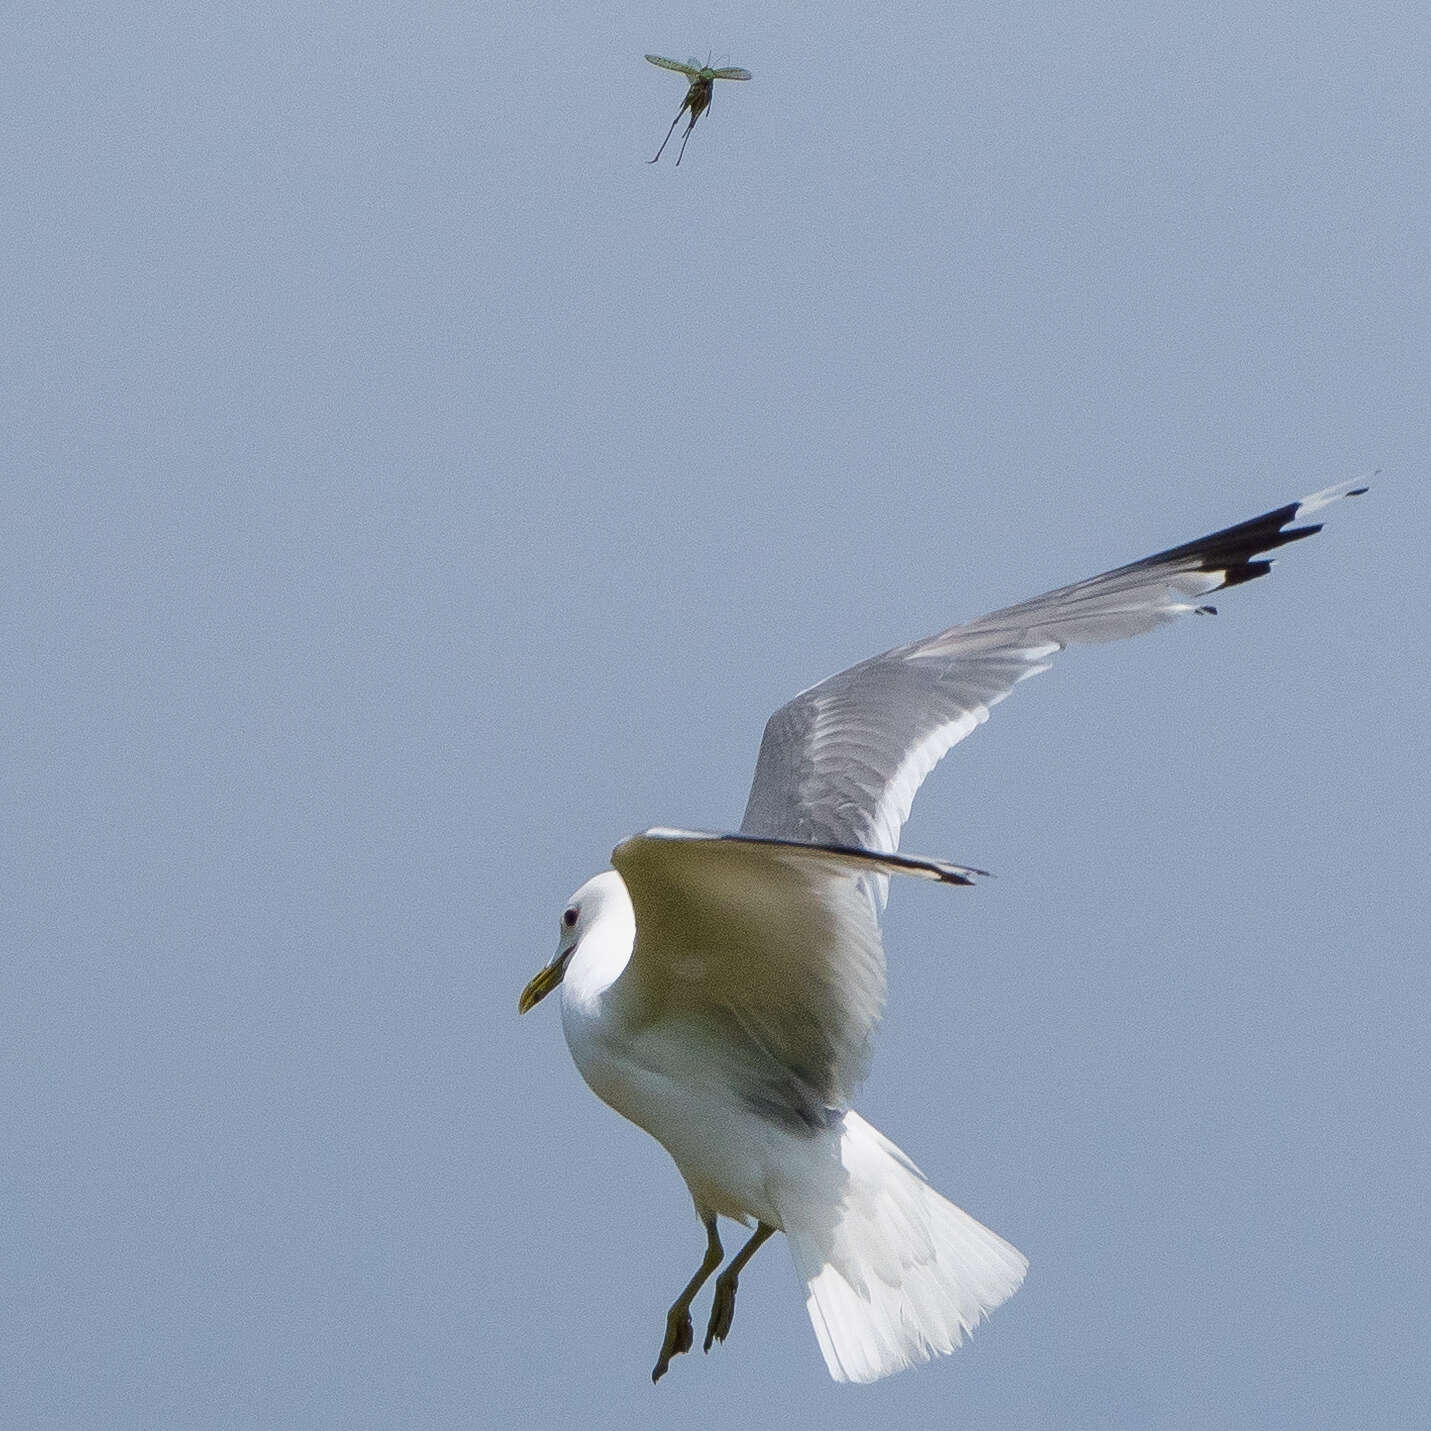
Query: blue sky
[(410, 492)]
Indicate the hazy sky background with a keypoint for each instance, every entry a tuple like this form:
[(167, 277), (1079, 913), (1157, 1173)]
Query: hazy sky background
[(408, 493)]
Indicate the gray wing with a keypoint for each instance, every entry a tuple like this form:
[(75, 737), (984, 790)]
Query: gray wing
[(840, 764), (764, 954)]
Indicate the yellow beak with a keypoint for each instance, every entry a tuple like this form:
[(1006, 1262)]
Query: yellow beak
[(543, 983)]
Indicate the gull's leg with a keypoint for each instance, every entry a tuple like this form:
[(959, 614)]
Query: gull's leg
[(669, 133), (679, 1336), (723, 1308)]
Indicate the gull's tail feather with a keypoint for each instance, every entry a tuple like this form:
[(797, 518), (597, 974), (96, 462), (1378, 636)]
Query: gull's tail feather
[(894, 1273)]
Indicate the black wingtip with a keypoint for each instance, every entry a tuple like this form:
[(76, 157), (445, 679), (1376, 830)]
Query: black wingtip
[(1251, 570), (1238, 553)]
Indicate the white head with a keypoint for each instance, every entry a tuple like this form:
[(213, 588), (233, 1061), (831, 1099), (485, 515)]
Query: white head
[(601, 907)]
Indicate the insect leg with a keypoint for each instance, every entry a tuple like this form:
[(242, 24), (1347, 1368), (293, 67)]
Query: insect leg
[(669, 133)]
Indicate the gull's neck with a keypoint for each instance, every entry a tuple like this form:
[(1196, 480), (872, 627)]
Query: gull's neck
[(604, 950)]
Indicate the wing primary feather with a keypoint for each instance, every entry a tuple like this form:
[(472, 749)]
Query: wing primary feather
[(860, 861), (878, 861)]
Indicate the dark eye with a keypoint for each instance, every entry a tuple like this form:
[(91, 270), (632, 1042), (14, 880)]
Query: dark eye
[(569, 918)]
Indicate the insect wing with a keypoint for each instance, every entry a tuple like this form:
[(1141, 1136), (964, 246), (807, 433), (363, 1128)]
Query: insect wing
[(691, 69)]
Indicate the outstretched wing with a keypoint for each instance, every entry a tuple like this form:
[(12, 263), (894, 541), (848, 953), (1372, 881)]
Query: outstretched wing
[(689, 70), (733, 73), (764, 954), (840, 764)]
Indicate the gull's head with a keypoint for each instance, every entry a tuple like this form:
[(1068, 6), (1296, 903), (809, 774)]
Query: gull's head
[(601, 906)]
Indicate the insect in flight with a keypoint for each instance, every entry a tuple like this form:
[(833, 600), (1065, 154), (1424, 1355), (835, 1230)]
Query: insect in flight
[(698, 96)]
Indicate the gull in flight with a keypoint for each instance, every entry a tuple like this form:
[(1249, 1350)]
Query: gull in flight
[(722, 991)]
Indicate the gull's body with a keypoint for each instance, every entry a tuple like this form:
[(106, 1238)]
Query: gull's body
[(661, 1078), (722, 991)]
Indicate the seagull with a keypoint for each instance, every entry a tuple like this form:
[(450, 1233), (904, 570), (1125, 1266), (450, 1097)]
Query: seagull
[(722, 990)]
